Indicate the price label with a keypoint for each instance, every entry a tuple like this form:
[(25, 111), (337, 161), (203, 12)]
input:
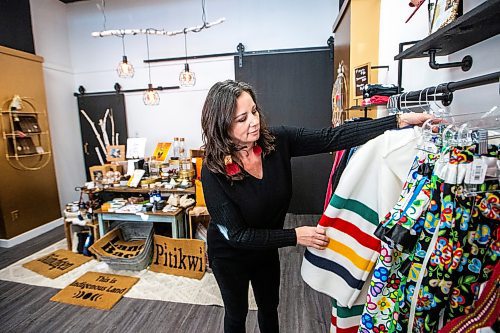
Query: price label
[(476, 172)]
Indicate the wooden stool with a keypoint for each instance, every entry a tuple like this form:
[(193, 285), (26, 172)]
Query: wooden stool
[(197, 218), (94, 228)]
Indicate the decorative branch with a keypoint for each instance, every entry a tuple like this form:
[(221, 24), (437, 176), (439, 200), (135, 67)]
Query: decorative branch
[(99, 155), (112, 119), (102, 124), (95, 130), (123, 32)]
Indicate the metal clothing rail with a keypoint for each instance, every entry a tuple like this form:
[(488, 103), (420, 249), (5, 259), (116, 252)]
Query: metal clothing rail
[(444, 91)]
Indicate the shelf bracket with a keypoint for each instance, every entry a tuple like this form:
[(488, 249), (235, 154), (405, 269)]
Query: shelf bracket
[(465, 64)]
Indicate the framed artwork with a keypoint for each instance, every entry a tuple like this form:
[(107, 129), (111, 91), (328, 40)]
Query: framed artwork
[(115, 153), (97, 172), (444, 12)]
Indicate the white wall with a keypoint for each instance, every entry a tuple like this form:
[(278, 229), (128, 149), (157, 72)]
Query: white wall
[(62, 36), (416, 72), (260, 26), (52, 43)]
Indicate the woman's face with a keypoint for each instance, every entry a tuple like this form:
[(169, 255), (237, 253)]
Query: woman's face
[(245, 128)]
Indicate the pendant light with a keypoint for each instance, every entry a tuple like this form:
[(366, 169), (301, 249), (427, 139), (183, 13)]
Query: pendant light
[(125, 69), (186, 77), (150, 96)]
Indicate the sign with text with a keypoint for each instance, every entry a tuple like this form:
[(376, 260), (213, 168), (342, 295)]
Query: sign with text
[(361, 77), (161, 151), (181, 257), (56, 263), (96, 290)]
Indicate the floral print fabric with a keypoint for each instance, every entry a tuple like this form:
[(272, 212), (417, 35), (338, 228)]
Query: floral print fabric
[(436, 244)]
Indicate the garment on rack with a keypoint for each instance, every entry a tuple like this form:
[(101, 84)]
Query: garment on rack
[(369, 186), (375, 100), (485, 310), (335, 171), (436, 244), (370, 90)]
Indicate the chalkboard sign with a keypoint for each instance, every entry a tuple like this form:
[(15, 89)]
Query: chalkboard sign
[(361, 77)]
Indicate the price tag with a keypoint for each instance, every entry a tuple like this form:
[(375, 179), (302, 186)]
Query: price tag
[(476, 172)]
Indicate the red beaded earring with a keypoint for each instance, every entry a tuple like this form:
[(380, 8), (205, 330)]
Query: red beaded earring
[(231, 167)]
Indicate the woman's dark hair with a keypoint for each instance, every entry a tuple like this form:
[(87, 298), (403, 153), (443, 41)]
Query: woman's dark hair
[(216, 119)]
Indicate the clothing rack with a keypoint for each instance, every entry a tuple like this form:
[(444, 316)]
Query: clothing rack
[(444, 91)]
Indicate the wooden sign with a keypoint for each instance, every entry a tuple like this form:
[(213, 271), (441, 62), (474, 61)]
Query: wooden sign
[(181, 257), (96, 290), (361, 77)]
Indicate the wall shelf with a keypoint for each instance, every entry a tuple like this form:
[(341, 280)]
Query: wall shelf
[(480, 23), (24, 156)]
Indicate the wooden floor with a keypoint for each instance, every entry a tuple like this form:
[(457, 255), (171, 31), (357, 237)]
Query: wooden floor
[(25, 308)]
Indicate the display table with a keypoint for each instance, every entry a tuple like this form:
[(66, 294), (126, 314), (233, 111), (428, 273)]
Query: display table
[(125, 189), (175, 219)]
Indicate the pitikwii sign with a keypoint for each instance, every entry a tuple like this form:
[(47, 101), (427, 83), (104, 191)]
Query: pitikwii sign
[(181, 257)]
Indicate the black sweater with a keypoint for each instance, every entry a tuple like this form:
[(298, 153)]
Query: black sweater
[(248, 214)]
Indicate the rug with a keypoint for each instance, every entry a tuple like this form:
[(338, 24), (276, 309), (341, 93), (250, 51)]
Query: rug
[(56, 263), (96, 290), (153, 286)]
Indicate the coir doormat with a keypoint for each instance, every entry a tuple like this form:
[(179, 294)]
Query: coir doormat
[(182, 257), (96, 290), (56, 263)]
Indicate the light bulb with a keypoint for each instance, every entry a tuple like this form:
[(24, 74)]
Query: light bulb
[(187, 78), (125, 69), (151, 96)]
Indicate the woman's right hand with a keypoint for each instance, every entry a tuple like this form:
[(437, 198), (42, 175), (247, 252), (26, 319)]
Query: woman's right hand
[(312, 236)]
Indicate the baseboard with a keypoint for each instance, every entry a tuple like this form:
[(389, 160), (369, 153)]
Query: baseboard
[(30, 234)]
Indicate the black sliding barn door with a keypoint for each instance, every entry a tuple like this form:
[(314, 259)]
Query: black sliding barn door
[(95, 107), (295, 89)]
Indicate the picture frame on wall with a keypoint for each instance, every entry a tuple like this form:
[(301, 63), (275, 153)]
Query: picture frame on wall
[(115, 153), (444, 12)]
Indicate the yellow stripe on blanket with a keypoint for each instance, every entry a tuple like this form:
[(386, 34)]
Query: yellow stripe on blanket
[(358, 261)]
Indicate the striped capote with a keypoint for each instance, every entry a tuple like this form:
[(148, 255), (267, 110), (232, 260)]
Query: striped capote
[(369, 187)]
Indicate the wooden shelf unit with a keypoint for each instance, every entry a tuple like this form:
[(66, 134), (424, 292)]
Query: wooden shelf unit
[(477, 25), (27, 161)]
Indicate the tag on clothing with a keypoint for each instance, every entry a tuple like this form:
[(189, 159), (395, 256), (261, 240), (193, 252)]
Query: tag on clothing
[(431, 147), (476, 172)]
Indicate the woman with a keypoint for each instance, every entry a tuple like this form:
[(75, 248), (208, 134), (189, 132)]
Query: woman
[(247, 183)]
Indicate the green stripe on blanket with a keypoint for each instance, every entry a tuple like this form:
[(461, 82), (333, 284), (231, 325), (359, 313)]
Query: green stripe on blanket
[(356, 207), (343, 312)]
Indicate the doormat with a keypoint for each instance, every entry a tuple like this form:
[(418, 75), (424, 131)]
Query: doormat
[(96, 290), (181, 257), (56, 263), (113, 245)]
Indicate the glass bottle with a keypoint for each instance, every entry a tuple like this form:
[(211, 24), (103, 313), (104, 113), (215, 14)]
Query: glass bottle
[(176, 147), (182, 152)]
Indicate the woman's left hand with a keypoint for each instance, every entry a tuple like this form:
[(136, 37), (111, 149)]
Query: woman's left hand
[(413, 119)]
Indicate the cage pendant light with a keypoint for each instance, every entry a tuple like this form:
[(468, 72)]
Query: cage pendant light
[(150, 96), (125, 69), (186, 77)]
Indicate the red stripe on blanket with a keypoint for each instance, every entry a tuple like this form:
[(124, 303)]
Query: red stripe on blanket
[(346, 227), (353, 329)]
